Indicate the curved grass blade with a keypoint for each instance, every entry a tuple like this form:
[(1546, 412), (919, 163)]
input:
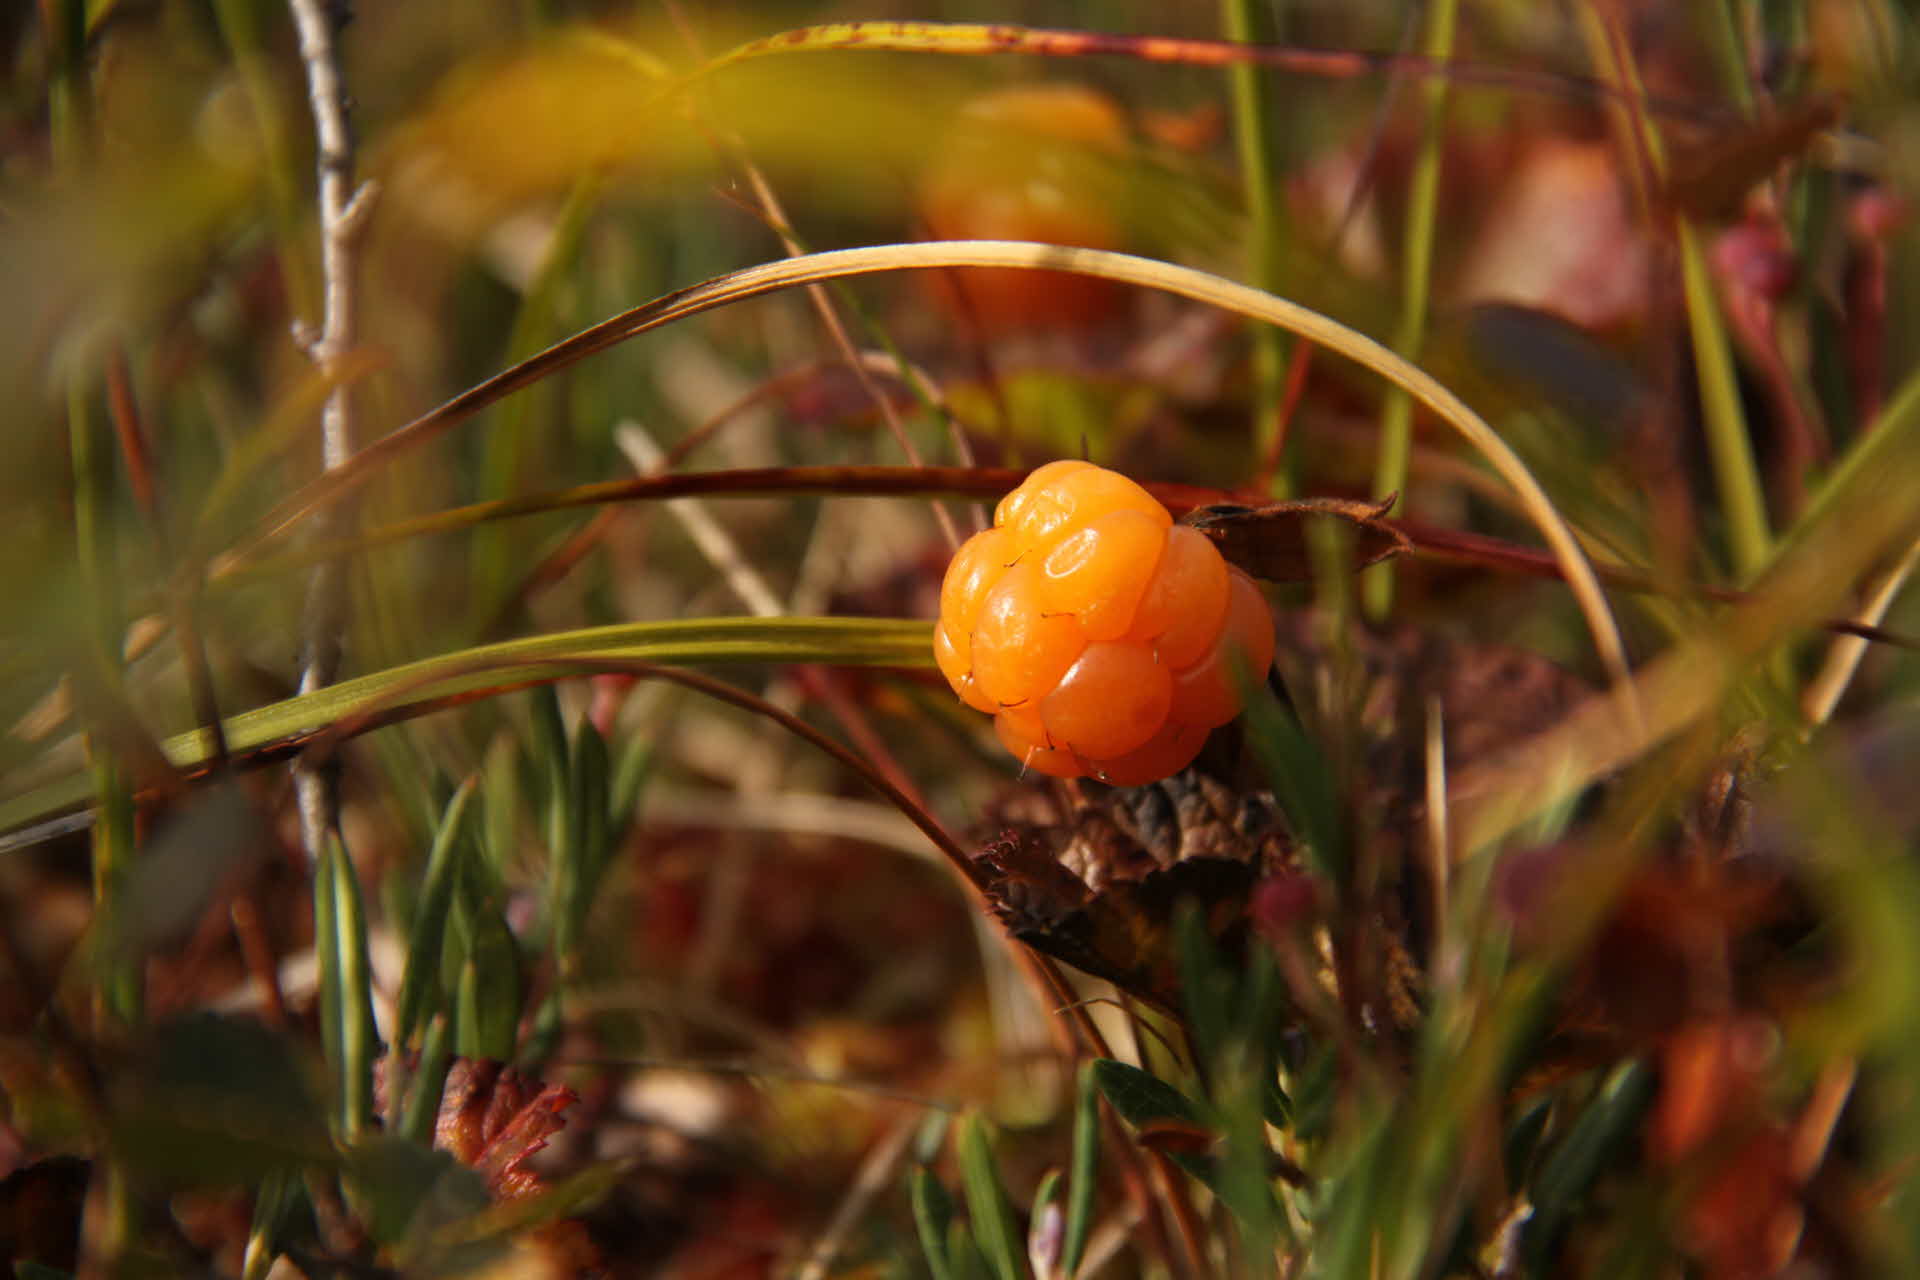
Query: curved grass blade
[(884, 642), (1148, 273), (1868, 512), (975, 39)]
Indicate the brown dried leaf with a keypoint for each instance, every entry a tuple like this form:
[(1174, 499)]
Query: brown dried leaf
[(1271, 542), (495, 1119)]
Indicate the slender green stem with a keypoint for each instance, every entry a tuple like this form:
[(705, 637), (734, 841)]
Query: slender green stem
[(1729, 50), (1416, 287), (1248, 92), (1729, 444)]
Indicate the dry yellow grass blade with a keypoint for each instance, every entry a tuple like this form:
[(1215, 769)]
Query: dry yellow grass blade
[(1147, 273)]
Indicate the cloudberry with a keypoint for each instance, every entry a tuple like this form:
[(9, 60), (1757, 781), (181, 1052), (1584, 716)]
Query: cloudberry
[(1029, 162), (1102, 637)]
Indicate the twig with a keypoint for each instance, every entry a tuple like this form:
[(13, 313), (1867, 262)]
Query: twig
[(341, 210)]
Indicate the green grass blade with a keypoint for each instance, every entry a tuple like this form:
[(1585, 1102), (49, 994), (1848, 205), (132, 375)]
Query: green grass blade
[(932, 1218), (421, 976), (887, 642), (1416, 285), (1729, 443), (988, 1206), (1607, 1121), (1247, 91), (1084, 1173)]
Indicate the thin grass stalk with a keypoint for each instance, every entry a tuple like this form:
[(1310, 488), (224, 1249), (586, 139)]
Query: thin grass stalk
[(1729, 442), (977, 39), (1416, 287), (117, 988), (1247, 91), (239, 22), (110, 1216)]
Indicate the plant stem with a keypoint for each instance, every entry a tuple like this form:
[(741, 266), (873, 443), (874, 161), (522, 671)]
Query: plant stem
[(1734, 470), (341, 208), (1248, 92), (1416, 287)]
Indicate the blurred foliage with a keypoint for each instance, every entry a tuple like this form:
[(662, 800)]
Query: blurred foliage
[(1444, 962)]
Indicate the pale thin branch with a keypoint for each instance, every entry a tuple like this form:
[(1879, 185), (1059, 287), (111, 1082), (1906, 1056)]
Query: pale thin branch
[(341, 208)]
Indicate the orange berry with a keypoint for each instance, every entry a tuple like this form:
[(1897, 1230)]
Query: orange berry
[(1100, 570), (1028, 163), (1019, 653), (1205, 694), (1101, 636), (976, 569), (1161, 756), (1037, 480), (1185, 602), (955, 660), (1066, 501), (1109, 702), (1032, 750)]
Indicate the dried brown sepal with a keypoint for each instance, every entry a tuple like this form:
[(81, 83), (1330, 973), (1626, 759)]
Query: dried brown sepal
[(495, 1119), (1094, 879), (1271, 542), (1711, 178)]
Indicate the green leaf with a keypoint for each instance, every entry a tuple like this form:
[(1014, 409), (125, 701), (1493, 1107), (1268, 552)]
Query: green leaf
[(429, 1082), (1141, 1097), (1207, 985), (1301, 781), (932, 1218), (582, 855), (212, 1100), (406, 1189), (1608, 1121), (1085, 1171), (988, 1206), (421, 977), (357, 1035), (489, 984)]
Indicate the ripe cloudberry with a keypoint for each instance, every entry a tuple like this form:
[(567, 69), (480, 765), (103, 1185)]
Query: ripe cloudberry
[(1100, 635), (1029, 162)]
